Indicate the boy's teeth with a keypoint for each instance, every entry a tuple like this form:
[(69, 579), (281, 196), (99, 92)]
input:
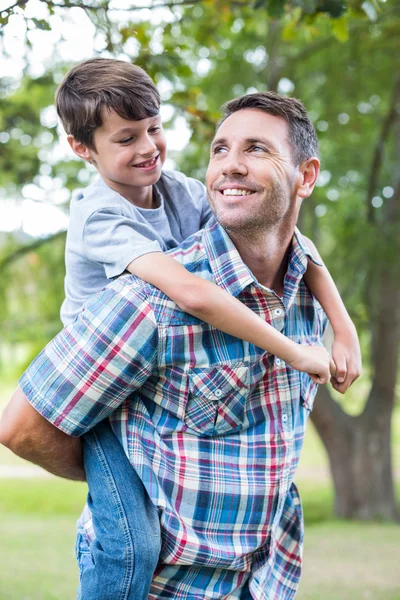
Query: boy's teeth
[(235, 192), (147, 164)]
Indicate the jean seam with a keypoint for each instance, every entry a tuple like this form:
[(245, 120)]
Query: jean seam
[(122, 520)]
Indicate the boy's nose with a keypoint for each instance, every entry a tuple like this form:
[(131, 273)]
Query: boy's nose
[(147, 146)]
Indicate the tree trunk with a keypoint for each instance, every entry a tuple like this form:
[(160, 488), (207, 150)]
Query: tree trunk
[(360, 461), (359, 447)]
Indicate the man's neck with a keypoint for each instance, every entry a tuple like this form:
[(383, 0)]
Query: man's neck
[(266, 253)]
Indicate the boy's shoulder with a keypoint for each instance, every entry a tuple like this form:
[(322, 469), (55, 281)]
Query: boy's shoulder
[(97, 191), (172, 184)]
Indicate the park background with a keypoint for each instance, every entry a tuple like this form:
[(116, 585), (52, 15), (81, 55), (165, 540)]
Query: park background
[(342, 60)]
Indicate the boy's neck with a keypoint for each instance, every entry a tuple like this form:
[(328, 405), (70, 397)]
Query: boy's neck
[(143, 197)]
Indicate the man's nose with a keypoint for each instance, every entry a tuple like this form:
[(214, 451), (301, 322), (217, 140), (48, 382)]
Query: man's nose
[(146, 145), (234, 164)]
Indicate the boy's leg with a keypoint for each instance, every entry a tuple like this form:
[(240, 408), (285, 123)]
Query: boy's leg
[(127, 545)]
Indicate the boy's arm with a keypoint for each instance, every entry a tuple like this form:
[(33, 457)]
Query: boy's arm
[(208, 302), (346, 348)]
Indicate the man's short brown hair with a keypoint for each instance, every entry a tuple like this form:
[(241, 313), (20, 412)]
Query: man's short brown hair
[(101, 84), (302, 137)]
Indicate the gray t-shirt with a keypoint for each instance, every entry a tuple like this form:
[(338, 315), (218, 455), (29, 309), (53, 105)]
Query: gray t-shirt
[(106, 232)]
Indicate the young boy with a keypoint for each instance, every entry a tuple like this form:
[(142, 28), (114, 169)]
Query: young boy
[(124, 221)]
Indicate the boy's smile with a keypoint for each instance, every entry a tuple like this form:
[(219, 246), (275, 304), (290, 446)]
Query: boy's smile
[(129, 156)]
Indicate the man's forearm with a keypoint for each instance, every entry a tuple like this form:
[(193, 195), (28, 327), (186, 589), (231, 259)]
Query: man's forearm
[(26, 433)]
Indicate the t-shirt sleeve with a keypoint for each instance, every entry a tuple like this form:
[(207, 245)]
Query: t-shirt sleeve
[(114, 240), (199, 195), (94, 364)]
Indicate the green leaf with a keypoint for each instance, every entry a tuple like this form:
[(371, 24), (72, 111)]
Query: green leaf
[(340, 28), (335, 8), (275, 8), (41, 24)]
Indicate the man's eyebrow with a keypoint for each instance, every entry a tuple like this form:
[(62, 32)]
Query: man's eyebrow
[(262, 140), (253, 140), (218, 141)]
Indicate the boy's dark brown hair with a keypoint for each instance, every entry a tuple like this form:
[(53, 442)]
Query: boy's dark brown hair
[(101, 84), (302, 137)]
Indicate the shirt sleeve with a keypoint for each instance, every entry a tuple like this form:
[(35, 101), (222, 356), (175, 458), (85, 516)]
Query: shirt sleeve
[(199, 195), (95, 363), (114, 240)]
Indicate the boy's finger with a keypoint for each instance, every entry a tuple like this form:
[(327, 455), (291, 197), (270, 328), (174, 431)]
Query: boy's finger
[(341, 368), (332, 368)]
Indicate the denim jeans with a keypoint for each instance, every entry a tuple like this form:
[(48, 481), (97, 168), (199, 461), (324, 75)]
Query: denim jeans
[(120, 562)]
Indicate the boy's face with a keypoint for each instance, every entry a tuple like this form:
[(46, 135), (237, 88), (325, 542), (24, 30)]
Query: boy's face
[(129, 154)]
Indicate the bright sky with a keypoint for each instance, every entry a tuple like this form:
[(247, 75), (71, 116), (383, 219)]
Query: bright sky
[(37, 211)]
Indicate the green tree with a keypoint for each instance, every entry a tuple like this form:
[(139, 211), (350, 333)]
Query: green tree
[(341, 59)]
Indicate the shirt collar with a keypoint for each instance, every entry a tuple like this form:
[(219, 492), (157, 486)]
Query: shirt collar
[(226, 264), (228, 268)]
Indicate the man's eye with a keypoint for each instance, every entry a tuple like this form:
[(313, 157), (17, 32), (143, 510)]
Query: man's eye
[(257, 149), (219, 149)]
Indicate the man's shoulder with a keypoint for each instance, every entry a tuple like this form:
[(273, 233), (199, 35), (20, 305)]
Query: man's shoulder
[(123, 300)]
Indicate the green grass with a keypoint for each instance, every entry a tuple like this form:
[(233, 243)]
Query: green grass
[(343, 561), (37, 533), (351, 561)]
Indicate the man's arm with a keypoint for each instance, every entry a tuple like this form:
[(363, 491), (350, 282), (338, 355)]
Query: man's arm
[(29, 435)]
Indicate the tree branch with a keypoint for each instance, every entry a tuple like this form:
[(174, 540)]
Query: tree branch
[(95, 8), (379, 148), (22, 250)]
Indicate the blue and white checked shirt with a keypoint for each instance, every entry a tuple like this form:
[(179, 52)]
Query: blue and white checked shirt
[(213, 425)]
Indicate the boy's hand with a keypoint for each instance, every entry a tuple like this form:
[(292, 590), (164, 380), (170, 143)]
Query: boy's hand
[(346, 355), (316, 361)]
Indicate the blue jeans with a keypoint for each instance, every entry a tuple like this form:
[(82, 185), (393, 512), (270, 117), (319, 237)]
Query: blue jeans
[(120, 562)]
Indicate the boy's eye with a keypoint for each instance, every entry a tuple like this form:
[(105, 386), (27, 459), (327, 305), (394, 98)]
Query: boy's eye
[(126, 140), (155, 129)]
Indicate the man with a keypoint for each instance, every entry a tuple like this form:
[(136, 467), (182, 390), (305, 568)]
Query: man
[(212, 425)]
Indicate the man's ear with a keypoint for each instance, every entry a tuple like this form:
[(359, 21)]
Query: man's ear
[(79, 149), (309, 170)]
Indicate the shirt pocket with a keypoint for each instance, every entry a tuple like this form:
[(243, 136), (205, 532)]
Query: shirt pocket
[(216, 398)]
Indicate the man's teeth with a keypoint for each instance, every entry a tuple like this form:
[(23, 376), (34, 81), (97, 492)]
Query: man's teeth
[(235, 192)]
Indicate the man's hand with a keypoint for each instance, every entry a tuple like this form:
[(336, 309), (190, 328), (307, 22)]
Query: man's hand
[(346, 354), (314, 360), (26, 433)]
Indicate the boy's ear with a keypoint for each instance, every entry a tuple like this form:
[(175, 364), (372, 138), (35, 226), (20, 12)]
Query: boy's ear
[(79, 149), (309, 171)]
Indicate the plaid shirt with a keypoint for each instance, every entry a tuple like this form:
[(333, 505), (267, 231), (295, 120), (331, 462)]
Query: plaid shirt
[(213, 425)]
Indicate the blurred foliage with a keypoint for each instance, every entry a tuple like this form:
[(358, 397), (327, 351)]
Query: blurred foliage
[(340, 58)]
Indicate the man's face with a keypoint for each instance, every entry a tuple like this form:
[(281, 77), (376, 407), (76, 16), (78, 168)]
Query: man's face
[(129, 154), (251, 179)]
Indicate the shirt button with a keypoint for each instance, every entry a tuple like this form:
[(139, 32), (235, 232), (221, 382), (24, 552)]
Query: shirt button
[(284, 417), (278, 312), (278, 361), (218, 393)]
